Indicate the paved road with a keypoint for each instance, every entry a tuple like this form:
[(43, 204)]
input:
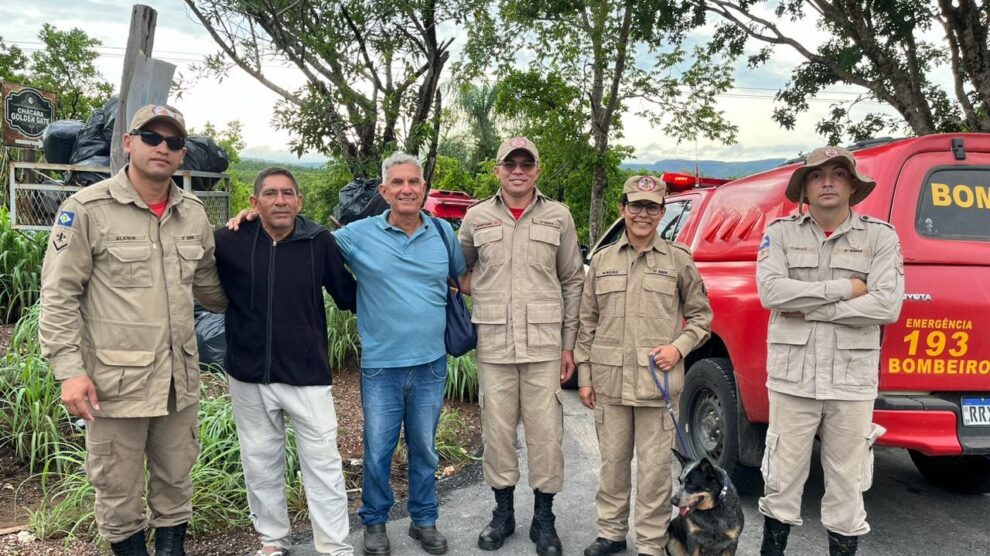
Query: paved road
[(909, 516)]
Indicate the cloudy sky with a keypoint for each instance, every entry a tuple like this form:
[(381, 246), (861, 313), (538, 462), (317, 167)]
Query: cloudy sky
[(181, 40)]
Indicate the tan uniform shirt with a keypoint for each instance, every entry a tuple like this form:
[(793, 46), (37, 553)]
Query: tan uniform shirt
[(117, 291), (526, 281), (632, 303), (834, 351)]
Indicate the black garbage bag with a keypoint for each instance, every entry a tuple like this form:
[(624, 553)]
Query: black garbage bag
[(110, 118), (210, 338), (84, 178), (204, 155), (359, 199), (94, 138), (59, 139)]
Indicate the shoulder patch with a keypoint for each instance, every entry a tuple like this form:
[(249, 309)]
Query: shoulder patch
[(65, 218), (61, 237), (765, 243)]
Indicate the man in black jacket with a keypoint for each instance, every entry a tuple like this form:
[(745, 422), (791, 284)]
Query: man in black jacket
[(274, 271)]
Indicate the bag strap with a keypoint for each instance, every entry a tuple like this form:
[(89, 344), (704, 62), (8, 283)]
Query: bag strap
[(451, 271)]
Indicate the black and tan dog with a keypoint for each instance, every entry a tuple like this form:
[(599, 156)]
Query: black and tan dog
[(711, 517)]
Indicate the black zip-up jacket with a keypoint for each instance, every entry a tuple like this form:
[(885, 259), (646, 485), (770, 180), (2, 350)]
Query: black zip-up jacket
[(276, 324)]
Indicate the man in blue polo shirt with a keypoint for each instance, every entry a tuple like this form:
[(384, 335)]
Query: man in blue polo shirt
[(401, 266)]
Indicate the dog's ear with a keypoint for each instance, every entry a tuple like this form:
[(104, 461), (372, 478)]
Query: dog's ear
[(706, 466), (684, 460)]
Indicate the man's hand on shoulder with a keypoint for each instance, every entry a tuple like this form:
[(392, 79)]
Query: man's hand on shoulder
[(246, 215), (78, 394)]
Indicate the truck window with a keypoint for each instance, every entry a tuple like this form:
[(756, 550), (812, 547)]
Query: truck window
[(674, 219), (954, 204)]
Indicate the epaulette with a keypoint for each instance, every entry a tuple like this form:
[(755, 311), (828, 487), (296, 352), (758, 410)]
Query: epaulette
[(602, 248), (872, 220), (192, 197), (788, 218), (96, 192), (681, 246)]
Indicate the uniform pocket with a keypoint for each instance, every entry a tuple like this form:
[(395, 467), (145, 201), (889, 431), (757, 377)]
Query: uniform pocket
[(786, 344), (543, 243), (122, 374), (606, 370), (610, 289), (857, 356), (543, 327), (189, 256), (491, 323), (802, 265), (768, 467), (100, 465), (191, 356), (129, 265), (850, 265), (646, 388), (876, 431), (658, 295), (488, 241)]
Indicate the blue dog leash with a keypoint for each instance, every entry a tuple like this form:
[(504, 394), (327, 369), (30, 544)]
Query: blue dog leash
[(666, 399)]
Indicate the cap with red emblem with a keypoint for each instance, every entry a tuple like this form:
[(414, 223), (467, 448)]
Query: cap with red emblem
[(516, 144), (158, 113), (644, 188)]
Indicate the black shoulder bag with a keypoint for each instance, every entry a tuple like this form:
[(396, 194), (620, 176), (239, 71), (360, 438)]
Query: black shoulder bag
[(460, 336)]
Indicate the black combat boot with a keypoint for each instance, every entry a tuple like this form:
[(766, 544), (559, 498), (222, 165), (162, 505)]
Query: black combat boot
[(503, 522), (169, 541), (376, 540), (542, 531), (774, 537), (133, 545), (841, 545)]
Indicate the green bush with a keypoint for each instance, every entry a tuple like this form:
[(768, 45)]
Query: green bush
[(21, 255), (448, 431), (342, 335)]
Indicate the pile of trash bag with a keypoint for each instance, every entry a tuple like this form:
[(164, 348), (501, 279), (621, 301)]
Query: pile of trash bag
[(359, 199), (88, 144), (210, 338)]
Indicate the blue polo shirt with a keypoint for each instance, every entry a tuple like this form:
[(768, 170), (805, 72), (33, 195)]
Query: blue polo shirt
[(401, 289)]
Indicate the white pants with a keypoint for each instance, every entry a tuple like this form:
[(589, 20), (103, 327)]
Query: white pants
[(259, 411)]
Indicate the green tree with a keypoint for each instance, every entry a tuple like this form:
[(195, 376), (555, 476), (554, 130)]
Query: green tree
[(372, 69), (887, 48), (231, 139), (611, 52), (66, 65), (13, 63)]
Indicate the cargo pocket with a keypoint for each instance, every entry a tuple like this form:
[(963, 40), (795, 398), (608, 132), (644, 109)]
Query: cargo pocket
[(543, 243), (769, 465), (802, 265), (122, 374), (543, 323), (191, 357), (658, 295), (129, 265), (786, 344), (850, 265), (488, 242), (876, 431), (857, 356), (100, 468), (490, 322), (189, 256), (606, 370)]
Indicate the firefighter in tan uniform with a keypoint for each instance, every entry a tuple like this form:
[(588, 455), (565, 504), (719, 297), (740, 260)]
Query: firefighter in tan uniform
[(526, 273), (643, 297), (830, 278), (126, 258)]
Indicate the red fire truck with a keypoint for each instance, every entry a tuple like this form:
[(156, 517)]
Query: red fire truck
[(934, 370)]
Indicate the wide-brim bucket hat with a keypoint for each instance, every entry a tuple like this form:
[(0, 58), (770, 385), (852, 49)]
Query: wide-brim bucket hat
[(863, 184)]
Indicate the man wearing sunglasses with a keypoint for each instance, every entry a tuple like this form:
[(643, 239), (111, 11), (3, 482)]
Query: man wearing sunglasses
[(526, 276), (126, 257), (643, 298)]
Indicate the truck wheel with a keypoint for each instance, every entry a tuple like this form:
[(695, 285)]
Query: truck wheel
[(963, 474), (708, 416)]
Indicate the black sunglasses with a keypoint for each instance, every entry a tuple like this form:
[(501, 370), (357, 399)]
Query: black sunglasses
[(153, 139)]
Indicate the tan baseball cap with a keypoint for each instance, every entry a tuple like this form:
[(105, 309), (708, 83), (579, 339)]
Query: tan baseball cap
[(644, 188), (516, 144), (158, 113), (863, 184)]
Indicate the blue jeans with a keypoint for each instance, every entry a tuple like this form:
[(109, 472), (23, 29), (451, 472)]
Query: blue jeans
[(389, 398)]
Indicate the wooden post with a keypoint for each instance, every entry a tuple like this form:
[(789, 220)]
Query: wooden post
[(140, 39)]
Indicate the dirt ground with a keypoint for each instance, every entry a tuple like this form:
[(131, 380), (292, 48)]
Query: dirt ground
[(19, 492)]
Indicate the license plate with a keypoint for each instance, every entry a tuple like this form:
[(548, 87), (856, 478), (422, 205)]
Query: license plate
[(976, 411)]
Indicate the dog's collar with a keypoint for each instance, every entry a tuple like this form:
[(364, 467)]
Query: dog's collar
[(725, 488)]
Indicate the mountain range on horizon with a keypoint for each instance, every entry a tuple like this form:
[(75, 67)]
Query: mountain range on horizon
[(707, 168)]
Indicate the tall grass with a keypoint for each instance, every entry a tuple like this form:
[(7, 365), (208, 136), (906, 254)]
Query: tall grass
[(342, 335), (449, 447), (462, 378), (21, 255)]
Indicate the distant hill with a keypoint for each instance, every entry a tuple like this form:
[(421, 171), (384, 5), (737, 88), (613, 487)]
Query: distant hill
[(291, 164), (709, 168)]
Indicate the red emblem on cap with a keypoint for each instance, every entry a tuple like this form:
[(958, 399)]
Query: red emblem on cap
[(646, 184), (517, 142), (831, 151)]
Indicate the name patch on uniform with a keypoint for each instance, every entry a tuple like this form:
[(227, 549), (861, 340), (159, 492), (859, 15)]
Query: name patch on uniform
[(801, 249), (483, 225), (116, 238), (611, 273), (193, 237), (550, 223), (659, 271), (61, 238), (65, 218)]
